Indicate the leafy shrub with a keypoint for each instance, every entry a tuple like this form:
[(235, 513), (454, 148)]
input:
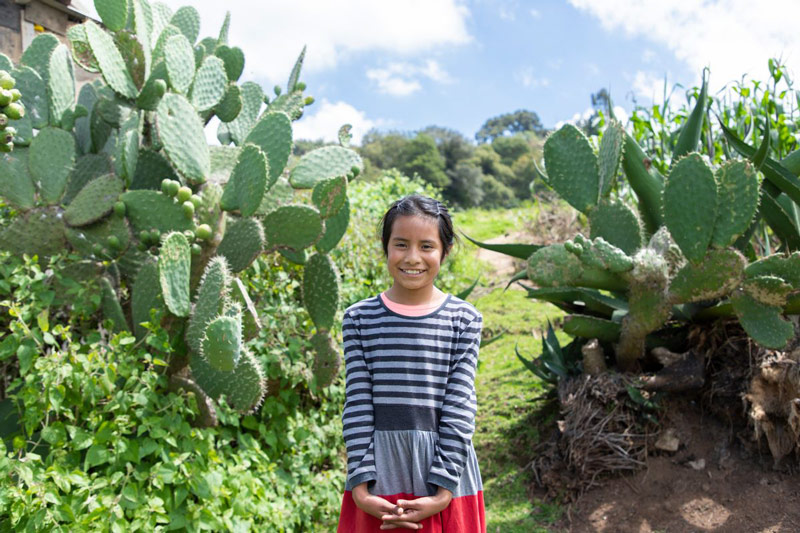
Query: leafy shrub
[(102, 446)]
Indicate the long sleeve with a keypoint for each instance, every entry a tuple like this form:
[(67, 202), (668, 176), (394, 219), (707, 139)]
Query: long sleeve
[(358, 417), (457, 420)]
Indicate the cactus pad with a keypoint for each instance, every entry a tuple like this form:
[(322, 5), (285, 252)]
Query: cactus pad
[(248, 181), (174, 267), (690, 206), (110, 61), (617, 224), (591, 327), (112, 310), (292, 104), (294, 76), (81, 51), (321, 290), (37, 54), (233, 57), (329, 195), (326, 358), (252, 100), (210, 301), (222, 343), (113, 13), (279, 194), (34, 96), (181, 131), (210, 84), (94, 201), (294, 226), (61, 84), (762, 322), (179, 57), (335, 228), (133, 54), (154, 88), (39, 231), (322, 163), (242, 243), (555, 266), (738, 190), (609, 157), (87, 168), (572, 167), (717, 275), (86, 238), (187, 20), (244, 387), (298, 257), (15, 182), (151, 169), (251, 324), (51, 158), (273, 134), (152, 210), (231, 104), (145, 295), (786, 268), (769, 290)]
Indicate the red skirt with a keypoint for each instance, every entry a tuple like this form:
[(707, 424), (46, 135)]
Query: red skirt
[(465, 514)]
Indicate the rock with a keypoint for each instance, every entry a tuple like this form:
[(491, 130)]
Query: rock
[(699, 464), (668, 441)]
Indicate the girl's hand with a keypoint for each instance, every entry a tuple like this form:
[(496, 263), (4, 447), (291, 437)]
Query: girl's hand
[(379, 507), (414, 511)]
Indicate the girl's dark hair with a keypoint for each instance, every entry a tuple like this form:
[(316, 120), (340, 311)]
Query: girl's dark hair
[(418, 205)]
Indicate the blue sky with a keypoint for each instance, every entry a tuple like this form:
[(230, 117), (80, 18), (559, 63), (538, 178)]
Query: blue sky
[(406, 64)]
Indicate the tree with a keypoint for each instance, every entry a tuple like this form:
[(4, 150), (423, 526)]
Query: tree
[(382, 151), (466, 185), (420, 156), (508, 124), (511, 148)]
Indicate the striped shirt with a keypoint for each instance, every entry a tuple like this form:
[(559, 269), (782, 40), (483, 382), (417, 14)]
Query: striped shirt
[(410, 373)]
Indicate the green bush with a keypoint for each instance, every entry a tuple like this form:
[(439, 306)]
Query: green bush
[(102, 446)]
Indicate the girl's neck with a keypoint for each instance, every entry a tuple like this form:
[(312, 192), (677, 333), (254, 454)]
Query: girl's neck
[(423, 296)]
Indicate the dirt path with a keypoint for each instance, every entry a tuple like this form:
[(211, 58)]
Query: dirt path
[(503, 266)]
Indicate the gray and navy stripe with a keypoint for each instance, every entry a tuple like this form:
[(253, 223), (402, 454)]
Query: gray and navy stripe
[(411, 373)]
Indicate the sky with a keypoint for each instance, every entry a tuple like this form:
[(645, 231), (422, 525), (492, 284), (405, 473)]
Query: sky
[(407, 64)]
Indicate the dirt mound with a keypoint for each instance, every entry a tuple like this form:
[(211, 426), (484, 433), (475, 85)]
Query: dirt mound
[(710, 484)]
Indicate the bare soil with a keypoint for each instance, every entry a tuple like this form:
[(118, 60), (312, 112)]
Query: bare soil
[(712, 483)]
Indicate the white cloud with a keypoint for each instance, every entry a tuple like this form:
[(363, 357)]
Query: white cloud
[(648, 85), (273, 33), (733, 37), (507, 13), (535, 13), (402, 79), (325, 122), (527, 78)]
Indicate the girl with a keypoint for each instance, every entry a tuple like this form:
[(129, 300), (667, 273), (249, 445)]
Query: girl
[(410, 359)]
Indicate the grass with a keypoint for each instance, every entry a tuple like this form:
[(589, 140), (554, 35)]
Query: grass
[(506, 432), (482, 224)]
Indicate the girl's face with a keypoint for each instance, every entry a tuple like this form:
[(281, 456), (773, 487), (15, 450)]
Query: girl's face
[(414, 253)]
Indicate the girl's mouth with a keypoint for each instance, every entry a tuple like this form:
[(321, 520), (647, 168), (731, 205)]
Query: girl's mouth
[(412, 272)]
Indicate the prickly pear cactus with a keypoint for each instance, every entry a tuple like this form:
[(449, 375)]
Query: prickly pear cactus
[(122, 175), (691, 263)]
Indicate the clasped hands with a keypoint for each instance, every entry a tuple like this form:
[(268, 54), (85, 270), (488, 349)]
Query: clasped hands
[(407, 513)]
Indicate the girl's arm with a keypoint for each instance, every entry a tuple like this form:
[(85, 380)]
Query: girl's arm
[(457, 421), (358, 416)]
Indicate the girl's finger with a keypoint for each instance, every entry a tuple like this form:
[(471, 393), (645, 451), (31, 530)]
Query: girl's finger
[(406, 525)]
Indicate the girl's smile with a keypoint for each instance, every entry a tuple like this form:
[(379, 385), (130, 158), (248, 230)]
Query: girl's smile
[(414, 256)]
